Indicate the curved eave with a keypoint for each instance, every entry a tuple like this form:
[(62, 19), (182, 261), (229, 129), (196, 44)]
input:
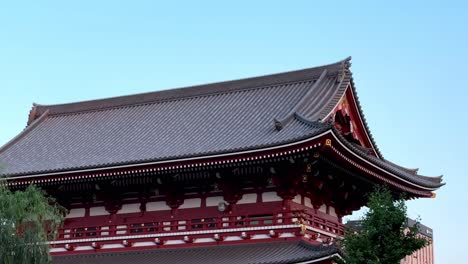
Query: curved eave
[(280, 149), (410, 170), (425, 186), (422, 185), (383, 168)]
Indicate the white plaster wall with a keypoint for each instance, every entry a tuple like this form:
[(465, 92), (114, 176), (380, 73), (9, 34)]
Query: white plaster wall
[(332, 211), (204, 240), (232, 238), (271, 197), (129, 208), (98, 210), (248, 198), (83, 248), (57, 250), (174, 242), (323, 209), (76, 212), (214, 201), (308, 202), (191, 203), (157, 206), (142, 244), (260, 236), (298, 199), (113, 246), (287, 234)]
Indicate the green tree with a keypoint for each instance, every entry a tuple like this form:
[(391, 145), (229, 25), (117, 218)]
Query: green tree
[(28, 219), (384, 237)]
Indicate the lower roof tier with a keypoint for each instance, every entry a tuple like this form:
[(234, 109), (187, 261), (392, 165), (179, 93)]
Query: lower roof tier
[(295, 157), (265, 253)]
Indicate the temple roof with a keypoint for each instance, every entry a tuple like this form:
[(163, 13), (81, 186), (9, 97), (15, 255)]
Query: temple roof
[(218, 118), (265, 253), (200, 120)]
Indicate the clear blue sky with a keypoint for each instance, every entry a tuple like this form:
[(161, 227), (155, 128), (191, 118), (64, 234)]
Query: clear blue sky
[(409, 61)]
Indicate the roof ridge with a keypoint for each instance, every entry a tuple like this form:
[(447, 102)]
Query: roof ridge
[(104, 108), (281, 122), (344, 82), (338, 79), (189, 91)]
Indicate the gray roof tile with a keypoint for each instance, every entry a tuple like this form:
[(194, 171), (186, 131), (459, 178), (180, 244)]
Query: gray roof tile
[(266, 253), (215, 118), (186, 122)]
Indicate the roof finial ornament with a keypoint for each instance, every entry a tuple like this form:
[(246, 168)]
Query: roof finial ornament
[(344, 68), (32, 114), (346, 64), (278, 124)]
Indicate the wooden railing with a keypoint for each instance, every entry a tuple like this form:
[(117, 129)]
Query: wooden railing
[(161, 226)]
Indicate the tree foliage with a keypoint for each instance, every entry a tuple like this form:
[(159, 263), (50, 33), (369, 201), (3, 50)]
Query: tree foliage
[(384, 237), (28, 219)]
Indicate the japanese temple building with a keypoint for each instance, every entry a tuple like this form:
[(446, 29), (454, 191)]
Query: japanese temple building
[(257, 170)]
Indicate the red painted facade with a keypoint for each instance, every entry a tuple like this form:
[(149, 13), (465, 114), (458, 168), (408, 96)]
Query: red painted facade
[(294, 196), (277, 206)]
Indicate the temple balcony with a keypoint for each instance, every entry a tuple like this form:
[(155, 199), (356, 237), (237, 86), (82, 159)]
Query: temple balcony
[(219, 224)]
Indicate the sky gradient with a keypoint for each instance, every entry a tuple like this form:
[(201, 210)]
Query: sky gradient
[(409, 61)]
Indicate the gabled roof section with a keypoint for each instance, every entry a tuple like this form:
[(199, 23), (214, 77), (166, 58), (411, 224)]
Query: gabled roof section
[(216, 118), (323, 98), (363, 118)]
